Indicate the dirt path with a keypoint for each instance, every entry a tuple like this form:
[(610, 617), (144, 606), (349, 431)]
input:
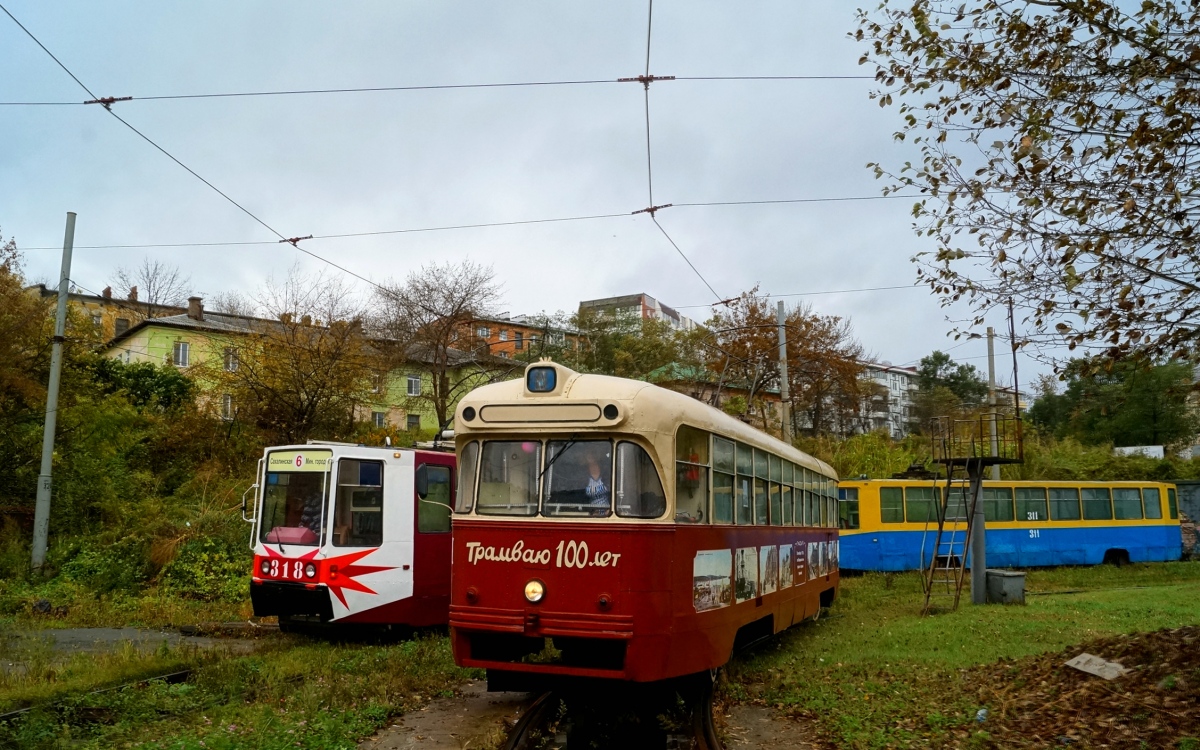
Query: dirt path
[(475, 719), (747, 726)]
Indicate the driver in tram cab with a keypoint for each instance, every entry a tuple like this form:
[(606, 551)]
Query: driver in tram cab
[(597, 491)]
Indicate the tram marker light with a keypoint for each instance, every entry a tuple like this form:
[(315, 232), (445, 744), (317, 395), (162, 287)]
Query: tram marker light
[(610, 411), (468, 413), (541, 379), (534, 591)]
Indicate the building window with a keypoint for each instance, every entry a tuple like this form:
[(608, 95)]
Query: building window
[(231, 359), (519, 339), (97, 320), (483, 332), (122, 325), (413, 422), (504, 355), (227, 407), (504, 334), (179, 355), (376, 382), (414, 385), (379, 418)]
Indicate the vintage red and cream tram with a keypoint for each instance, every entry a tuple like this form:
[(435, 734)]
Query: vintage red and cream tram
[(352, 534), (609, 528)]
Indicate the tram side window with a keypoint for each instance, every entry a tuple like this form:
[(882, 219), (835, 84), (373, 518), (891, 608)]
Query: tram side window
[(578, 478), (1152, 501), (1064, 503), (1127, 503), (956, 509), (831, 502), (788, 506), (639, 489), (891, 505), (744, 486), (1097, 505), (823, 499), (722, 480), (919, 504), (433, 510), (760, 487), (848, 508), (998, 503), (1172, 504), (809, 505), (467, 466), (776, 494), (691, 475), (358, 512), (1031, 504), (508, 478)]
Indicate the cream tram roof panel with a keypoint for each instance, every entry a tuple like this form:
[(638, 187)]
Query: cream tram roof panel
[(644, 408)]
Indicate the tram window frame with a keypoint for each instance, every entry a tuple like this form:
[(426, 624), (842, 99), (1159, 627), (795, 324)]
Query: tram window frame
[(761, 469), (743, 499), (957, 504), (1172, 504), (812, 513), (911, 504), (356, 503), (775, 498), (722, 487), (775, 468), (691, 474), (997, 498), (533, 505), (647, 467), (803, 487), (785, 493), (848, 513), (760, 502), (468, 469), (745, 459), (288, 500), (1156, 503), (1096, 508), (435, 513), (558, 462), (823, 501), (1031, 500), (1126, 500), (891, 504), (723, 455), (1065, 502)]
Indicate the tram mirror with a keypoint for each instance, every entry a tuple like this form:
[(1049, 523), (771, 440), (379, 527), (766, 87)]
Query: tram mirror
[(422, 481)]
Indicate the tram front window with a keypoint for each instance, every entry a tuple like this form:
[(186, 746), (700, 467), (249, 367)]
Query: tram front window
[(578, 478), (508, 478), (639, 488), (292, 508)]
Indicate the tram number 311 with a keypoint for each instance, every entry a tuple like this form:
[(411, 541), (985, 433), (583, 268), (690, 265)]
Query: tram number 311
[(574, 554)]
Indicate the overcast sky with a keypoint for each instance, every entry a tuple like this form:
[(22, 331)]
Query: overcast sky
[(368, 162)]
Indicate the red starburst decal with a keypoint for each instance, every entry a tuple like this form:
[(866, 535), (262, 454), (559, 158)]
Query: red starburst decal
[(340, 572)]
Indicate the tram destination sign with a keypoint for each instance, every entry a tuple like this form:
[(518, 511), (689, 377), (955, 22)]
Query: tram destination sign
[(300, 461)]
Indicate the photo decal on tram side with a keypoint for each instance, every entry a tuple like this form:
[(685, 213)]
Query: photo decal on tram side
[(568, 554), (785, 566), (712, 579), (768, 566), (745, 582)]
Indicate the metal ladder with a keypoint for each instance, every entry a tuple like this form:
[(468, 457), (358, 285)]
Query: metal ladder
[(945, 571)]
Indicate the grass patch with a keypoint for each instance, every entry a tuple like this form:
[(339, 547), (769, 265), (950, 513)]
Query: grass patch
[(291, 693), (876, 674)]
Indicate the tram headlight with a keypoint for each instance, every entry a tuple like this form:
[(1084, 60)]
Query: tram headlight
[(534, 591), (265, 568), (310, 571)]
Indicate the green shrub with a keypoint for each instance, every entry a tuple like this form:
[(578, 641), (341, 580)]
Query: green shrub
[(105, 567), (208, 569)]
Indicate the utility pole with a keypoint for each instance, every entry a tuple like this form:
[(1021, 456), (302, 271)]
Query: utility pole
[(784, 397), (991, 336), (41, 513)]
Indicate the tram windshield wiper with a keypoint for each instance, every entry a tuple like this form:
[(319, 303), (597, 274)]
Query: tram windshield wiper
[(561, 451)]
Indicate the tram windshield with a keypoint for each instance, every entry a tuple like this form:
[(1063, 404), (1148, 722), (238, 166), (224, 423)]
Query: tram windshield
[(578, 478), (293, 507)]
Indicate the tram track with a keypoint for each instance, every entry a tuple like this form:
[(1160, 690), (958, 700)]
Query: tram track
[(676, 716)]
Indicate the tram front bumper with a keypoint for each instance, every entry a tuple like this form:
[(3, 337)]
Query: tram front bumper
[(274, 598)]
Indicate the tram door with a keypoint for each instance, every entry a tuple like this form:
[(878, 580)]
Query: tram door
[(433, 494)]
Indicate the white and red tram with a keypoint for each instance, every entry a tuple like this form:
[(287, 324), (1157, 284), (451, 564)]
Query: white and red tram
[(609, 528), (352, 534)]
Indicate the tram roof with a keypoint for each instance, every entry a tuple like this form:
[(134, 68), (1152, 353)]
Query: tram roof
[(648, 407)]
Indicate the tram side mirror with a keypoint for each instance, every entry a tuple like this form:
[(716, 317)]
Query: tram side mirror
[(422, 482)]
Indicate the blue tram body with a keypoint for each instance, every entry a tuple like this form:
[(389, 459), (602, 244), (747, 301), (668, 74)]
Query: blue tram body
[(891, 539)]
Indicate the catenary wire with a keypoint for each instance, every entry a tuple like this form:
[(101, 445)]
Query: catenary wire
[(685, 258), (811, 294), (432, 87)]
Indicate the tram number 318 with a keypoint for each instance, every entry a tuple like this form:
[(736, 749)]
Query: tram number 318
[(574, 554)]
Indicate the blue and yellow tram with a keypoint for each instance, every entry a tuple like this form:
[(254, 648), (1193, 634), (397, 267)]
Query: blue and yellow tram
[(890, 525)]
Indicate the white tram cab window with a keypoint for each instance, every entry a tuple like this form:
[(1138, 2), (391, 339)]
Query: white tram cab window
[(358, 513), (433, 510), (639, 488), (508, 478), (578, 479), (293, 508)]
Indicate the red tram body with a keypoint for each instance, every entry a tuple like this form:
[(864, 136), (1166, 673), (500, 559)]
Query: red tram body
[(352, 534), (637, 593)]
